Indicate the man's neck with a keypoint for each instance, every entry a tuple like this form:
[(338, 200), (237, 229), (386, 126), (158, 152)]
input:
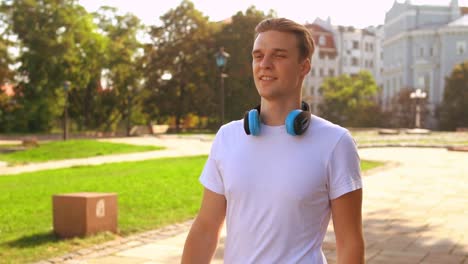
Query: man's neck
[(274, 112)]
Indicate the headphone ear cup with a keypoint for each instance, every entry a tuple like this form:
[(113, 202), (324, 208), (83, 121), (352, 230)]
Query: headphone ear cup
[(291, 120), (302, 122), (246, 123), (254, 122)]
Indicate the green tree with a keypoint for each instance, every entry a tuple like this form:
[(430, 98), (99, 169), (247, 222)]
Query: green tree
[(103, 105), (182, 47), (453, 111), (6, 74), (54, 40), (237, 38), (351, 100)]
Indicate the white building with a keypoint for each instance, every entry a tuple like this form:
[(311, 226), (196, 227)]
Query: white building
[(324, 64), (342, 50), (360, 49), (422, 45)]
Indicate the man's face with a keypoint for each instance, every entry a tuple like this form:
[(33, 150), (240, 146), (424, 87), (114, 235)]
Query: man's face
[(278, 71)]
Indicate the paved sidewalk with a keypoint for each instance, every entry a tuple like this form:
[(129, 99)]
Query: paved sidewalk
[(175, 146), (412, 213)]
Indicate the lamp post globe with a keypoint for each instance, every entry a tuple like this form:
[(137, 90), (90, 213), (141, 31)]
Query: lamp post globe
[(418, 95)]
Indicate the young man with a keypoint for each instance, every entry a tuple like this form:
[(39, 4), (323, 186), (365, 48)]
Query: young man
[(277, 188)]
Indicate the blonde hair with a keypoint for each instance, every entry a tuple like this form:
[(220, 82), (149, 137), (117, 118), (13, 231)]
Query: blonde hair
[(304, 38)]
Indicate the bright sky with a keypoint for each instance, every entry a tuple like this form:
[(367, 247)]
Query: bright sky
[(358, 13)]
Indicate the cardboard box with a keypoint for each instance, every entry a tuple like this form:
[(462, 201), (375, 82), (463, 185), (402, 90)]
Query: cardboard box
[(82, 214)]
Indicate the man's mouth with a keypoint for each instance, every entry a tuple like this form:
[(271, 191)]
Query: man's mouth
[(267, 78)]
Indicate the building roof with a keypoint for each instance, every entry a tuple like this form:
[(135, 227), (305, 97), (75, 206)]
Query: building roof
[(462, 21), (317, 32), (7, 89), (464, 10)]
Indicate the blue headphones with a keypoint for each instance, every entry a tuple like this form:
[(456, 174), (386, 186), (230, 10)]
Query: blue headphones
[(296, 122)]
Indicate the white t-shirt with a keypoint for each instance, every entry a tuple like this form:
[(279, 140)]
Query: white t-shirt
[(278, 189)]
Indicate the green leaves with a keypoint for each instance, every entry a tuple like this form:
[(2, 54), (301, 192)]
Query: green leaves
[(453, 112), (183, 46), (114, 77), (350, 100), (57, 43)]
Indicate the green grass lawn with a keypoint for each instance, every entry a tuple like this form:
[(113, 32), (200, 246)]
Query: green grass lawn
[(70, 149), (151, 194), (367, 164)]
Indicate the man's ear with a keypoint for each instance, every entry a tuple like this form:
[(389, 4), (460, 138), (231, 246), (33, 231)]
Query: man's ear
[(305, 67)]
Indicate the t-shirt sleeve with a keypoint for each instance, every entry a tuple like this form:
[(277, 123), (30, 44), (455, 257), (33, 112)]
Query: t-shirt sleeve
[(211, 177), (344, 168)]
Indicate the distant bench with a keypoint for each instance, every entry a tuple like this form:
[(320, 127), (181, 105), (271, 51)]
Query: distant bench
[(144, 130)]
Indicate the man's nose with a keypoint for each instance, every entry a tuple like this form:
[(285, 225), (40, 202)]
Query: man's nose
[(266, 62)]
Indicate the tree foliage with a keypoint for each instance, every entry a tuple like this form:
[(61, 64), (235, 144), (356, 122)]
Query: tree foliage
[(54, 40), (103, 105), (351, 100), (183, 48), (237, 38), (453, 112), (6, 73), (115, 79)]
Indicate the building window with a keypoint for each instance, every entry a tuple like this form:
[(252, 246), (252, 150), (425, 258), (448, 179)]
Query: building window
[(355, 44), (371, 47), (322, 56), (461, 47), (431, 52), (421, 52), (312, 72), (345, 61), (322, 41), (371, 64), (331, 72), (354, 61), (421, 83), (321, 72)]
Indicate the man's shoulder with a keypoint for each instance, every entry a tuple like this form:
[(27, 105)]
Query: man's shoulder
[(231, 129), (233, 126), (320, 125)]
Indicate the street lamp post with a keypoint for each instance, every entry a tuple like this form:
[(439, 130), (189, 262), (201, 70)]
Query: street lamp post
[(66, 87), (129, 110), (417, 95), (221, 61)]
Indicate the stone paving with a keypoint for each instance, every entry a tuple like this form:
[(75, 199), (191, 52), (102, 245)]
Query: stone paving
[(413, 212)]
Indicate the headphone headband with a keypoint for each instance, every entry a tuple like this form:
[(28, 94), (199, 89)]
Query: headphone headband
[(296, 122)]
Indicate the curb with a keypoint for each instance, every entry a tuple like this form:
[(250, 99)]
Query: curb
[(113, 246)]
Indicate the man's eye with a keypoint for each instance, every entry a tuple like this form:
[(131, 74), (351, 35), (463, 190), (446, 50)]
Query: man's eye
[(281, 56)]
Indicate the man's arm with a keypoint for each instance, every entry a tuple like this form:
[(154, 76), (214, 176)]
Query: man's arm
[(203, 236), (347, 223)]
